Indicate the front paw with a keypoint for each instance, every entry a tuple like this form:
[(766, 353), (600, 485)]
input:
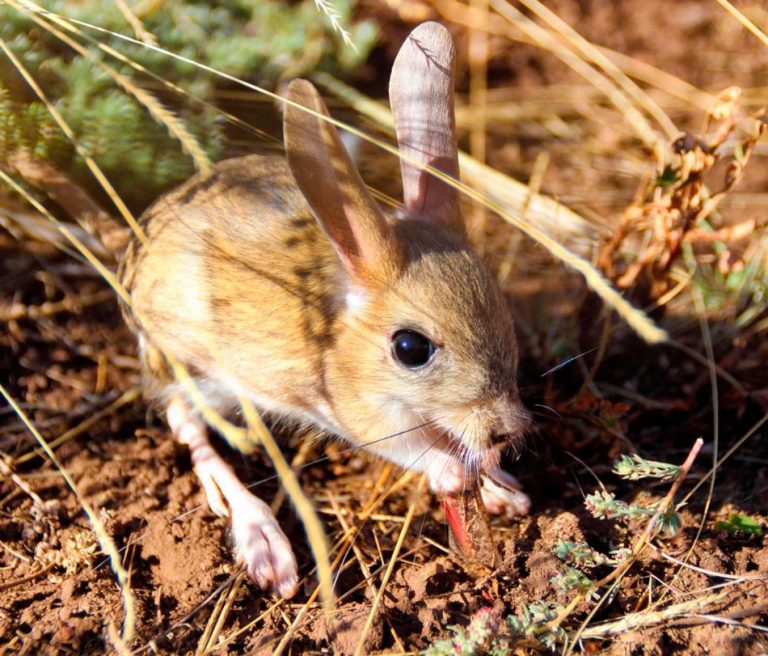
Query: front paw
[(261, 544), (446, 475), (503, 495)]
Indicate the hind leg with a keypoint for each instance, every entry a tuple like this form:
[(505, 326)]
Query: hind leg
[(259, 541)]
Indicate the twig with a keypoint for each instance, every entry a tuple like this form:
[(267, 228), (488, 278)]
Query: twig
[(16, 311), (649, 618), (7, 470), (27, 578), (219, 614), (72, 198)]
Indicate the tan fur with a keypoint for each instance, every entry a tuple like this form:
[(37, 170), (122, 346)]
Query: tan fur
[(285, 282)]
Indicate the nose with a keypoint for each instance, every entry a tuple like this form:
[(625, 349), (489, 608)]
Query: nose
[(513, 421)]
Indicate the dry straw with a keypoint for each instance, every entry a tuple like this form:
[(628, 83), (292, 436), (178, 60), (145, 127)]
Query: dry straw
[(490, 189), (634, 317), (106, 543), (234, 434)]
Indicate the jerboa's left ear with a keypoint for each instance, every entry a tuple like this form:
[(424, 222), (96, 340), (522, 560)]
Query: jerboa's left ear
[(421, 91), (336, 193)]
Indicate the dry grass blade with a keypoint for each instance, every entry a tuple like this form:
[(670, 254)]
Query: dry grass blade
[(285, 640), (318, 541), (594, 54), (737, 445), (390, 567), (219, 615), (364, 568), (740, 578), (106, 543), (478, 101), (739, 16), (544, 38)]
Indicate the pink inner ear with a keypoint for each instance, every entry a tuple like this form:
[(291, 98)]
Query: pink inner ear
[(334, 189), (425, 195), (421, 92)]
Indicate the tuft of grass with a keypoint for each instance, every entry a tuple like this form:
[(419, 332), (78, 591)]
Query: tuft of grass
[(114, 116)]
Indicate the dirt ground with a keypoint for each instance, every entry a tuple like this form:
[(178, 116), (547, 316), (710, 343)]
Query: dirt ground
[(76, 364)]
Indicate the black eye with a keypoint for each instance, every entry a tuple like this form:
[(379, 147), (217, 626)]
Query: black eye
[(411, 349)]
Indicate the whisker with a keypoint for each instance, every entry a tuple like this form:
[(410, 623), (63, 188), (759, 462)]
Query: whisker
[(568, 361), (350, 449), (546, 407)]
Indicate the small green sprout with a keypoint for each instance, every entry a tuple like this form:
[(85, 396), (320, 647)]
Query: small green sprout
[(535, 624), (740, 526), (580, 554), (634, 468), (481, 637), (670, 522), (569, 579), (604, 505)]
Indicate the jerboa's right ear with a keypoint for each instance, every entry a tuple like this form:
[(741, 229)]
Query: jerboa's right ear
[(334, 189), (421, 90)]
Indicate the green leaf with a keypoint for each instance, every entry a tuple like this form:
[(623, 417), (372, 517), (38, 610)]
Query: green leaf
[(667, 177), (740, 525)]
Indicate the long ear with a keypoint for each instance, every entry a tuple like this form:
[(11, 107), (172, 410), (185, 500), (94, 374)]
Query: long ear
[(421, 95), (334, 189)]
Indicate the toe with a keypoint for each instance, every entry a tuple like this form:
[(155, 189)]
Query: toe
[(283, 563), (504, 500), (446, 477)]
